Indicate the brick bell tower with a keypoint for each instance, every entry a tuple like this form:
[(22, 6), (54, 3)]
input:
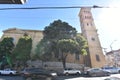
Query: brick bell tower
[(95, 57)]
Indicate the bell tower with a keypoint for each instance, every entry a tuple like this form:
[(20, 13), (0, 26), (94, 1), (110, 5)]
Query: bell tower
[(95, 57)]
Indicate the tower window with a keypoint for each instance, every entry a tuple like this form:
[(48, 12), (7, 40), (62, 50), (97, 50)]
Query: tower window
[(93, 39), (87, 17), (86, 12), (97, 58), (87, 24)]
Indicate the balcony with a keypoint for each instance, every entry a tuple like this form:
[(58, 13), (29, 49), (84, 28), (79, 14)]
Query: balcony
[(12, 1)]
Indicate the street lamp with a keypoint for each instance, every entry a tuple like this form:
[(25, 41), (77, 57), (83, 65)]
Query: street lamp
[(111, 45)]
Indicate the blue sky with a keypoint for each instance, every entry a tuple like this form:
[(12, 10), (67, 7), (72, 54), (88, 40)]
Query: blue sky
[(106, 20)]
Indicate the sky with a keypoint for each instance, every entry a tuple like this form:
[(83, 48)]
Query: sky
[(106, 19)]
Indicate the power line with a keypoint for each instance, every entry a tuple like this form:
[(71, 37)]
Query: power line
[(69, 7)]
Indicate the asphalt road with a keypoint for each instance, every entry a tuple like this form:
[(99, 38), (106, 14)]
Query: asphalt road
[(20, 78), (11, 78), (61, 77), (89, 78)]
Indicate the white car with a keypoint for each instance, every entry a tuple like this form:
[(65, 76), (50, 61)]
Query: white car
[(68, 71), (8, 72), (111, 69)]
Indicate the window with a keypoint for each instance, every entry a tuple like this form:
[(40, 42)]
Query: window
[(86, 12), (88, 17), (77, 57), (97, 58), (87, 24), (93, 39)]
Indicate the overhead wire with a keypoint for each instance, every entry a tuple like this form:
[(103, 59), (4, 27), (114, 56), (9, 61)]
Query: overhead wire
[(59, 7)]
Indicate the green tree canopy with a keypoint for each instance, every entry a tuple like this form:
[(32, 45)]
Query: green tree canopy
[(71, 46), (23, 49), (55, 31), (82, 45), (59, 30), (6, 48), (66, 46)]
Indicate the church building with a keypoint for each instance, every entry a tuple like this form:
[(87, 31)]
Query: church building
[(95, 57)]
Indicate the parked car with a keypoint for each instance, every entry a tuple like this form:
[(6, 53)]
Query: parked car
[(97, 72), (111, 69), (69, 71), (8, 72), (38, 72)]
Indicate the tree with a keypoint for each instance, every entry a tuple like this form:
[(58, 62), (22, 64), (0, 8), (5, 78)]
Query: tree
[(52, 33), (66, 46), (44, 48), (6, 48), (60, 39), (82, 48), (23, 49), (71, 46), (59, 30)]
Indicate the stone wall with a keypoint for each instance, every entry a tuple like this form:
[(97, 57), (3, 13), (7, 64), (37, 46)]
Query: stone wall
[(53, 65)]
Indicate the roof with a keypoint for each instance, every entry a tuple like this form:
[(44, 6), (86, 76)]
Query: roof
[(11, 29), (113, 51)]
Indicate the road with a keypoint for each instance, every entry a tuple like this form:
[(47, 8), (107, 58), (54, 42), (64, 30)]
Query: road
[(92, 78), (11, 78), (62, 77)]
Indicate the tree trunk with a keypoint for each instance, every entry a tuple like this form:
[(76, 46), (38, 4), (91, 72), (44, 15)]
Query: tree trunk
[(64, 60), (64, 63)]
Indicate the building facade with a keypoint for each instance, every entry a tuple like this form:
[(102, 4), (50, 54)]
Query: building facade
[(113, 58), (16, 34), (95, 57), (36, 36)]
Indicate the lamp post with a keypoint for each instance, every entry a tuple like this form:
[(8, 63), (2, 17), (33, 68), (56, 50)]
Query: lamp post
[(111, 45)]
